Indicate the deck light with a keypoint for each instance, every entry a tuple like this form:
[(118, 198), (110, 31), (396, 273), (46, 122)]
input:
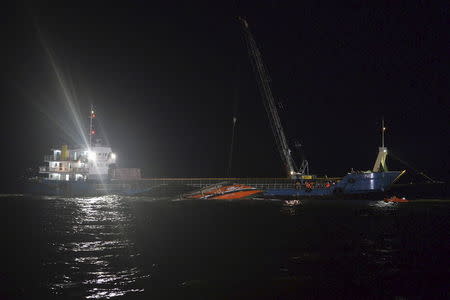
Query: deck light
[(91, 155)]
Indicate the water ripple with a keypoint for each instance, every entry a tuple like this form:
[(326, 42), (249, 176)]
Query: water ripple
[(93, 248)]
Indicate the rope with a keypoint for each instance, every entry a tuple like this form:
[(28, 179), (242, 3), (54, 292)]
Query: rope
[(412, 168)]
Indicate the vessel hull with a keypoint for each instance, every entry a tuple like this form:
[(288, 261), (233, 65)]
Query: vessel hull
[(82, 188), (370, 184), (353, 184)]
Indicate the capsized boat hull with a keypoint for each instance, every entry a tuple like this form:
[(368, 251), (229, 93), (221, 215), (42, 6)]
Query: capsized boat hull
[(396, 199), (224, 192)]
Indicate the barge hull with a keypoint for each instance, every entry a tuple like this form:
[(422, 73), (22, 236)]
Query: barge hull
[(351, 184)]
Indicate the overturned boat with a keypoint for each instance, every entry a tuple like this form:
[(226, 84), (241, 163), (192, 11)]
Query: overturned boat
[(224, 191)]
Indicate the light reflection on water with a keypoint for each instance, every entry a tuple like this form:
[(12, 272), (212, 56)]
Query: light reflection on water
[(94, 245), (95, 253), (290, 207), (362, 232)]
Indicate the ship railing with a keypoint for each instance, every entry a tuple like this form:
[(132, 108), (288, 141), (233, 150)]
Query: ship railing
[(59, 158), (49, 157), (259, 183), (80, 170), (59, 170), (63, 170)]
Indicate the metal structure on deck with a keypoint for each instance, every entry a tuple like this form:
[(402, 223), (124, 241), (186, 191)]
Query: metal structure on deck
[(269, 103), (380, 162)]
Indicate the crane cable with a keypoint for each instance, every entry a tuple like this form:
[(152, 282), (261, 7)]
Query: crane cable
[(412, 168), (235, 110)]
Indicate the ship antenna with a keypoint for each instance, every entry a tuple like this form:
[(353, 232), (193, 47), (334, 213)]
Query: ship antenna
[(380, 162), (91, 125)]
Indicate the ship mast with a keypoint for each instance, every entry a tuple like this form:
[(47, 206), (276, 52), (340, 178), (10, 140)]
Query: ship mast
[(380, 162), (91, 125), (269, 104)]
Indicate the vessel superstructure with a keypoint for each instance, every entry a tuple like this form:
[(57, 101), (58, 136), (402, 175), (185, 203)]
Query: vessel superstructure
[(91, 162), (84, 170), (78, 164)]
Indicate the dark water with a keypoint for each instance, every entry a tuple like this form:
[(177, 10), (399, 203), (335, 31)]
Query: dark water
[(115, 247)]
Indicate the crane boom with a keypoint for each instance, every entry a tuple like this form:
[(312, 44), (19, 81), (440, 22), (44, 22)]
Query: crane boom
[(269, 104)]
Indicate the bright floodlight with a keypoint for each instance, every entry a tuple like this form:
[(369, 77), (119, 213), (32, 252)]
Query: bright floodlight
[(91, 155), (113, 156)]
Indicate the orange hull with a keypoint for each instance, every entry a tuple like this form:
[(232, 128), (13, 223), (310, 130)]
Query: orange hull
[(228, 192), (237, 195), (396, 199)]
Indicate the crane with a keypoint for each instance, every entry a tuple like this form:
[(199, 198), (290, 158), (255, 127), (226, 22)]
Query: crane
[(271, 109)]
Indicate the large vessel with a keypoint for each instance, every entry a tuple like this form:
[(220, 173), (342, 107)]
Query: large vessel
[(83, 171), (91, 169)]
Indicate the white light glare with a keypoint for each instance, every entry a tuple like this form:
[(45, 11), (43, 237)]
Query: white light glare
[(113, 156), (91, 155)]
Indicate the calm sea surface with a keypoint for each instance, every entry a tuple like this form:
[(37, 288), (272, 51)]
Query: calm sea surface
[(115, 247)]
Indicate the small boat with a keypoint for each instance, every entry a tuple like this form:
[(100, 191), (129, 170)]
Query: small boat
[(224, 191), (396, 199)]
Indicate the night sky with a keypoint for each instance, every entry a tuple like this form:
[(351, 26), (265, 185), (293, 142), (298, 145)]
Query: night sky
[(167, 78)]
